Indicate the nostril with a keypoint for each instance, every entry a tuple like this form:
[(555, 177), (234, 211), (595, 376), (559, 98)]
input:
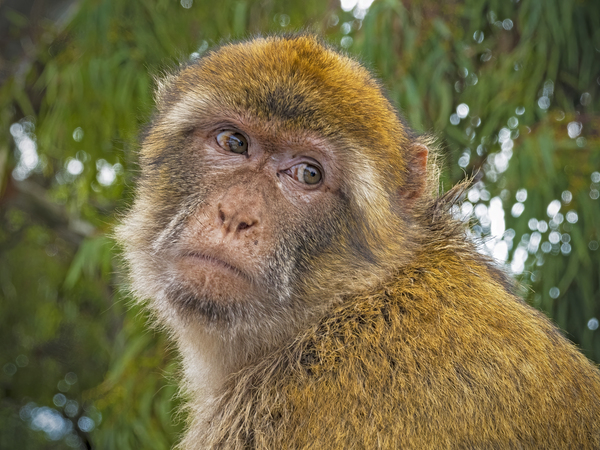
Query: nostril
[(233, 220)]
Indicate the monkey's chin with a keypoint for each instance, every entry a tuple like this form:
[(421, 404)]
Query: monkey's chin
[(214, 292), (204, 289), (200, 308)]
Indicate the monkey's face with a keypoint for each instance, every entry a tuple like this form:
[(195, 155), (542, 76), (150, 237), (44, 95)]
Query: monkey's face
[(263, 195), (232, 216), (245, 213)]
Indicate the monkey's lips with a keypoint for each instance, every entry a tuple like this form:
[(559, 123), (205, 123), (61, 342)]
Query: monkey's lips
[(205, 266)]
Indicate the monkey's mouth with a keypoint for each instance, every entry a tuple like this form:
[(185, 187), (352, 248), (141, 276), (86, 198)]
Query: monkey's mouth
[(202, 259)]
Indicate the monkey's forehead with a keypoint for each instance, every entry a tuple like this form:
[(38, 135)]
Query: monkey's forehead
[(295, 80)]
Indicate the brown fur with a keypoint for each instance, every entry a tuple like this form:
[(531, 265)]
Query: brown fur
[(369, 321)]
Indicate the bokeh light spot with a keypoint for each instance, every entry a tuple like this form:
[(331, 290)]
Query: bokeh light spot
[(572, 217), (521, 195), (574, 129), (462, 110)]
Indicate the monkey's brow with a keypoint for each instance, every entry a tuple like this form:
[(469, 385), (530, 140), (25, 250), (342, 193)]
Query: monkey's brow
[(226, 118), (264, 130)]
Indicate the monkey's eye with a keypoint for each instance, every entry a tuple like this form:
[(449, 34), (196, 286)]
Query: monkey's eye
[(306, 173), (233, 142)]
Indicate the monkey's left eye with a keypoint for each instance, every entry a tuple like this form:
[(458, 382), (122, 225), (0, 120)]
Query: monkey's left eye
[(233, 142), (306, 173)]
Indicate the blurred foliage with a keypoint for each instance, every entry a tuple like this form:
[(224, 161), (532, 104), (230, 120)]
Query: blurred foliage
[(511, 88)]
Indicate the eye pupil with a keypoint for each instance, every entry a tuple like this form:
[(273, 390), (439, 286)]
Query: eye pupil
[(235, 144), (311, 175)]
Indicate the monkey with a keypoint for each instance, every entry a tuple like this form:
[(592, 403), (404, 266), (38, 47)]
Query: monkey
[(288, 233)]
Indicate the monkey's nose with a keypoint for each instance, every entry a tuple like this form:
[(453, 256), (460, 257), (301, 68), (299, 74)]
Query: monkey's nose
[(235, 220)]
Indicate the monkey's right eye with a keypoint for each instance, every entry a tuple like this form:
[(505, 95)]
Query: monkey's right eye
[(233, 142)]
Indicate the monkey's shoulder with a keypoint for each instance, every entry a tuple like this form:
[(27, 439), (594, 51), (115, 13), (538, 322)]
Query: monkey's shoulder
[(412, 358)]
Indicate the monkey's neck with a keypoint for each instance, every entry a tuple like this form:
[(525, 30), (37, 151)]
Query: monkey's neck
[(210, 357), (207, 360)]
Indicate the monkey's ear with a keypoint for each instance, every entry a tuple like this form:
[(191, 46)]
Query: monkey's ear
[(416, 180)]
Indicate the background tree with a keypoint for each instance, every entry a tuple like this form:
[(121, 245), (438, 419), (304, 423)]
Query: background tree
[(510, 88)]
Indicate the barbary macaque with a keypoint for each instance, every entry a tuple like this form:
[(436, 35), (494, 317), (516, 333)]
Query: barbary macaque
[(288, 233)]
